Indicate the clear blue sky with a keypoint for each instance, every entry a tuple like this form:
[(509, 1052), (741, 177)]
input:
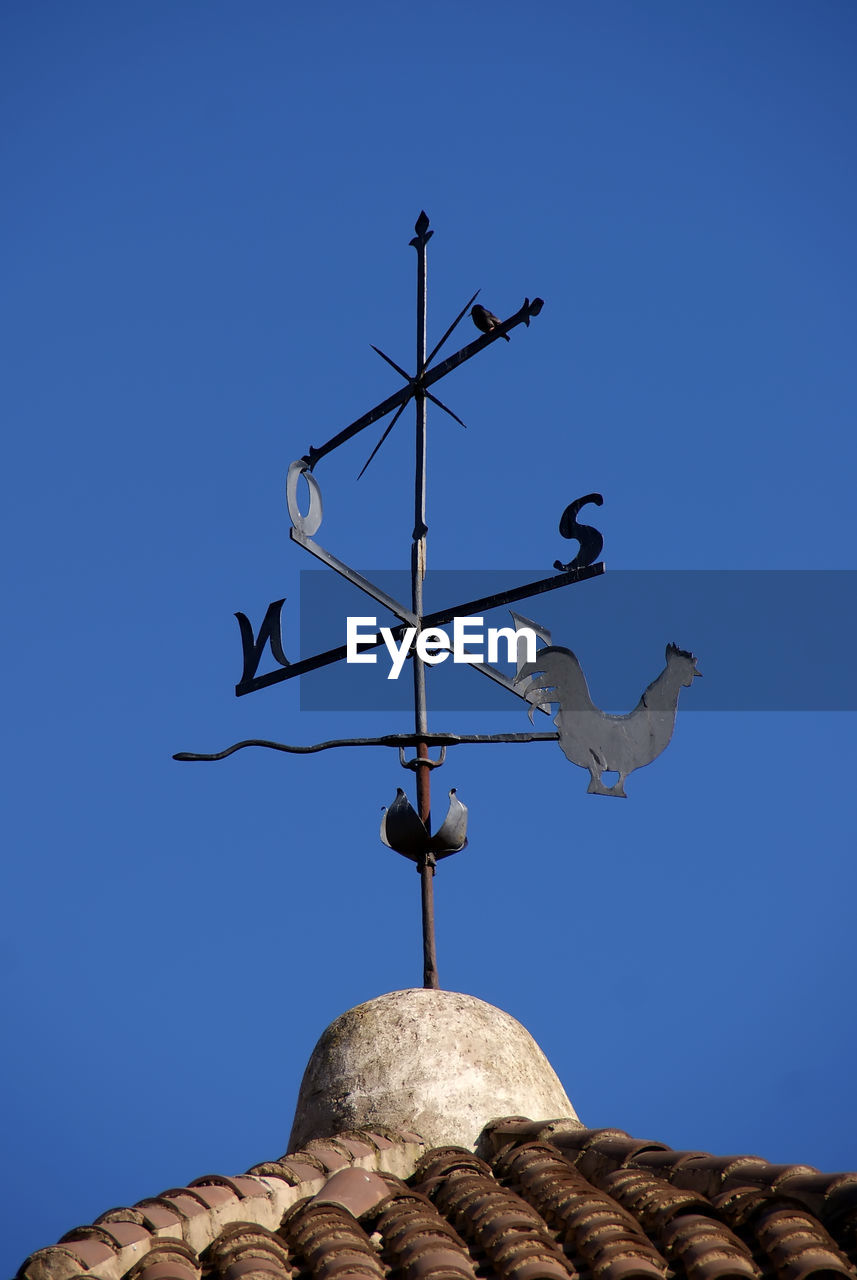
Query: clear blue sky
[(206, 217)]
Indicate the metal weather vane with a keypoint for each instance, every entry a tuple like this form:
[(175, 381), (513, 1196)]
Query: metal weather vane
[(589, 738)]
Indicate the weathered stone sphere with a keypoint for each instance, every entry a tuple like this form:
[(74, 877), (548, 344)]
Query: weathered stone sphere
[(433, 1062)]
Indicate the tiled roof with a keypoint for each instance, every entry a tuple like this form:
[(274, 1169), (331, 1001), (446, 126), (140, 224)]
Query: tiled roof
[(542, 1201)]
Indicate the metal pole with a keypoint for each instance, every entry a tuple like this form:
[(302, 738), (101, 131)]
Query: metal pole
[(418, 569)]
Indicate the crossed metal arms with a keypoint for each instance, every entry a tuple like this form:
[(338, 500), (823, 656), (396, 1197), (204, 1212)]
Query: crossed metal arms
[(401, 397), (304, 526)]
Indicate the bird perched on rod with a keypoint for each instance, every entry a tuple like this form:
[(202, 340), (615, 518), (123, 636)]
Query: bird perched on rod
[(486, 320)]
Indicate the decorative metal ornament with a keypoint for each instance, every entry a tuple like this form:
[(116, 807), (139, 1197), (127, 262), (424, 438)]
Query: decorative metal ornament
[(605, 743), (597, 742), (403, 830)]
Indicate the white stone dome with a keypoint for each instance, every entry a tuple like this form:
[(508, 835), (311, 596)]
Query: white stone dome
[(436, 1063)]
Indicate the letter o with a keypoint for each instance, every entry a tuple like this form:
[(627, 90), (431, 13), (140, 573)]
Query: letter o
[(306, 524)]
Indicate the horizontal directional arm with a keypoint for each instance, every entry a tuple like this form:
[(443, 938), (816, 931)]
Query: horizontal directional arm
[(515, 593), (435, 619)]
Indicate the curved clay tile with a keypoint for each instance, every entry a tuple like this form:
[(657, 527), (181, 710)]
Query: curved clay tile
[(555, 1201)]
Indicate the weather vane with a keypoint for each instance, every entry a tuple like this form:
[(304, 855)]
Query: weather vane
[(595, 741)]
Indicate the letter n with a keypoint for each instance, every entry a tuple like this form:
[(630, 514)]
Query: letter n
[(253, 646)]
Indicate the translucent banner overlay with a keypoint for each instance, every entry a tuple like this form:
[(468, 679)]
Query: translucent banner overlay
[(772, 640)]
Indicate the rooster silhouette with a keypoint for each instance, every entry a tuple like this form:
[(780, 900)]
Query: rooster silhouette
[(597, 741)]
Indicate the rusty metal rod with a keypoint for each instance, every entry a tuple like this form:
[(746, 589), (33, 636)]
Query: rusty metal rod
[(387, 740), (418, 571), (431, 981)]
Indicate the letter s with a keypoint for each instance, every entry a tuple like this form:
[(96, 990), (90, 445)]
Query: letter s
[(590, 539)]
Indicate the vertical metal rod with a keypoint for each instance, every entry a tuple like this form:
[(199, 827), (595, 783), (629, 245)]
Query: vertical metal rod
[(418, 569)]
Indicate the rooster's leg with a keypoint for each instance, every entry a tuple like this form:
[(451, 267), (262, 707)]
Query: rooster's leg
[(597, 788)]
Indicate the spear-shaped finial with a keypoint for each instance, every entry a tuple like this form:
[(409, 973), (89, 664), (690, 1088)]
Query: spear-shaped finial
[(423, 234)]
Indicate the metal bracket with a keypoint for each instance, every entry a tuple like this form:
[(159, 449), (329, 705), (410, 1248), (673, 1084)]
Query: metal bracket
[(416, 763)]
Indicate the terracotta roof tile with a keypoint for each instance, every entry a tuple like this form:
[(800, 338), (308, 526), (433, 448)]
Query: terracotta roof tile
[(824, 1194), (209, 1191), (170, 1270), (241, 1187), (543, 1200), (123, 1232), (167, 1261), (90, 1252), (357, 1190), (650, 1200), (598, 1232), (666, 1161), (706, 1248), (96, 1244), (276, 1169), (415, 1240), (609, 1153), (121, 1214), (384, 1138), (331, 1155), (158, 1214), (245, 1251), (186, 1202), (709, 1174), (357, 1145), (302, 1169), (503, 1232), (326, 1240)]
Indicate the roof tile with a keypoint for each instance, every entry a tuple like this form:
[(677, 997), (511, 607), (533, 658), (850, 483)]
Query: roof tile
[(609, 1153), (549, 1182), (496, 1223), (301, 1169), (185, 1202), (357, 1145), (90, 1252), (240, 1187), (120, 1214), (708, 1174), (170, 1270), (824, 1194), (357, 1190), (706, 1248), (332, 1155), (651, 1200), (328, 1240), (210, 1191), (549, 1201), (667, 1160), (123, 1233), (168, 1260), (158, 1213), (417, 1241)]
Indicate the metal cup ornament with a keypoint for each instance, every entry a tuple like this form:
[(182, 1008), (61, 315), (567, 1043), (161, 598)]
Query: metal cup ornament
[(403, 830)]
